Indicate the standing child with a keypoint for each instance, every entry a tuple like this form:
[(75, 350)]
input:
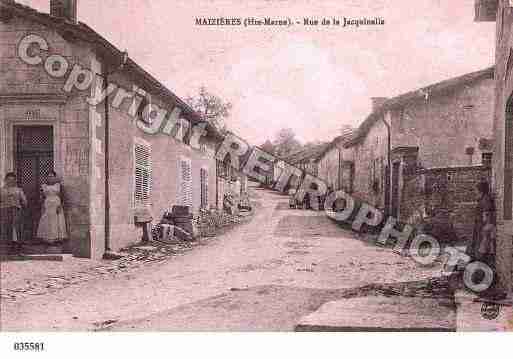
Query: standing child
[(12, 201)]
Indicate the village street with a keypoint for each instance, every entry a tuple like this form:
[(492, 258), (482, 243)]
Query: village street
[(264, 275)]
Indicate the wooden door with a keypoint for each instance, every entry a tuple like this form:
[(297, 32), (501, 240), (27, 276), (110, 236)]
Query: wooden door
[(33, 162)]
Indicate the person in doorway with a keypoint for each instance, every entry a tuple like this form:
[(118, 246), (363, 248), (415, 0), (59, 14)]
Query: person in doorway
[(486, 248), (52, 225), (485, 209), (12, 201)]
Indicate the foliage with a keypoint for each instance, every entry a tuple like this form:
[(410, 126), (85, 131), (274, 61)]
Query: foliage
[(211, 107), (285, 143)]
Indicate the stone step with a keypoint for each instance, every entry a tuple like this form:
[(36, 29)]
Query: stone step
[(377, 313), (32, 257)]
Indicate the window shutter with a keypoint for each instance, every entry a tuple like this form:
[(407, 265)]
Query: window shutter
[(185, 191), (204, 187), (143, 174)]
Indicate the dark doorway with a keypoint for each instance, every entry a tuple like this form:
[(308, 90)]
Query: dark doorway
[(34, 160), (396, 173), (386, 181)]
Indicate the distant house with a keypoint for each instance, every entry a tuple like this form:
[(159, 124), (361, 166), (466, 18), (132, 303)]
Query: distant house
[(42, 126), (446, 126), (502, 13), (333, 168), (307, 159)]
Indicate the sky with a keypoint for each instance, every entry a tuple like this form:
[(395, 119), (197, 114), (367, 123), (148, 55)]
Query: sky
[(312, 79)]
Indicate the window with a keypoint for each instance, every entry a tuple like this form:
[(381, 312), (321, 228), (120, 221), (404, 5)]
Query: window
[(203, 147), (143, 169), (185, 178), (486, 159), (204, 187)]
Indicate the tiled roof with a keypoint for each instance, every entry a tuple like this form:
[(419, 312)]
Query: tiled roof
[(82, 31), (404, 99), (313, 152), (347, 136)]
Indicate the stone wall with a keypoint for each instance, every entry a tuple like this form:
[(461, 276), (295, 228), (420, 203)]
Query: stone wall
[(445, 124), (444, 197), (166, 154), (370, 157), (28, 89), (329, 168)]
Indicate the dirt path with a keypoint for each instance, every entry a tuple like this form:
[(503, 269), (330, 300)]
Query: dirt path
[(260, 276)]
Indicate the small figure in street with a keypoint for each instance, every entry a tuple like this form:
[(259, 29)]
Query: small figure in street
[(306, 201), (52, 225), (292, 198), (229, 203), (315, 200), (12, 201), (329, 191)]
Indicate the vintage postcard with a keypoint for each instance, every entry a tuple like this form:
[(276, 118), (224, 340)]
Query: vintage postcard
[(255, 166)]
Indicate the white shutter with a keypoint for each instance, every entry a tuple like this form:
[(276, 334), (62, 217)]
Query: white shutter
[(185, 177), (204, 187), (143, 174)]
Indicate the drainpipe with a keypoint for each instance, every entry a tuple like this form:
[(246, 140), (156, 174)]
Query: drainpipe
[(217, 184), (389, 166), (108, 254), (107, 177), (339, 169)]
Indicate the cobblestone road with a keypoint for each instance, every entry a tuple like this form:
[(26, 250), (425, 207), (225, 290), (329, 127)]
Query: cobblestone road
[(263, 275)]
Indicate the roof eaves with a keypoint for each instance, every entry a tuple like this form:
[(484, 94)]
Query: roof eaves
[(86, 33), (438, 87)]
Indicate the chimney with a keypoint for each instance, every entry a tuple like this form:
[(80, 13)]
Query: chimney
[(65, 9), (377, 102)]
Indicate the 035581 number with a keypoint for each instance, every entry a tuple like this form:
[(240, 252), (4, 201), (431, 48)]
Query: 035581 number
[(29, 347)]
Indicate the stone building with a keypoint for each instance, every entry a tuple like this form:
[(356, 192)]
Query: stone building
[(501, 11), (49, 118), (307, 159), (446, 125), (333, 168)]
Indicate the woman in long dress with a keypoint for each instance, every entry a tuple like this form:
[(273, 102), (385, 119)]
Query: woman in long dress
[(52, 225)]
